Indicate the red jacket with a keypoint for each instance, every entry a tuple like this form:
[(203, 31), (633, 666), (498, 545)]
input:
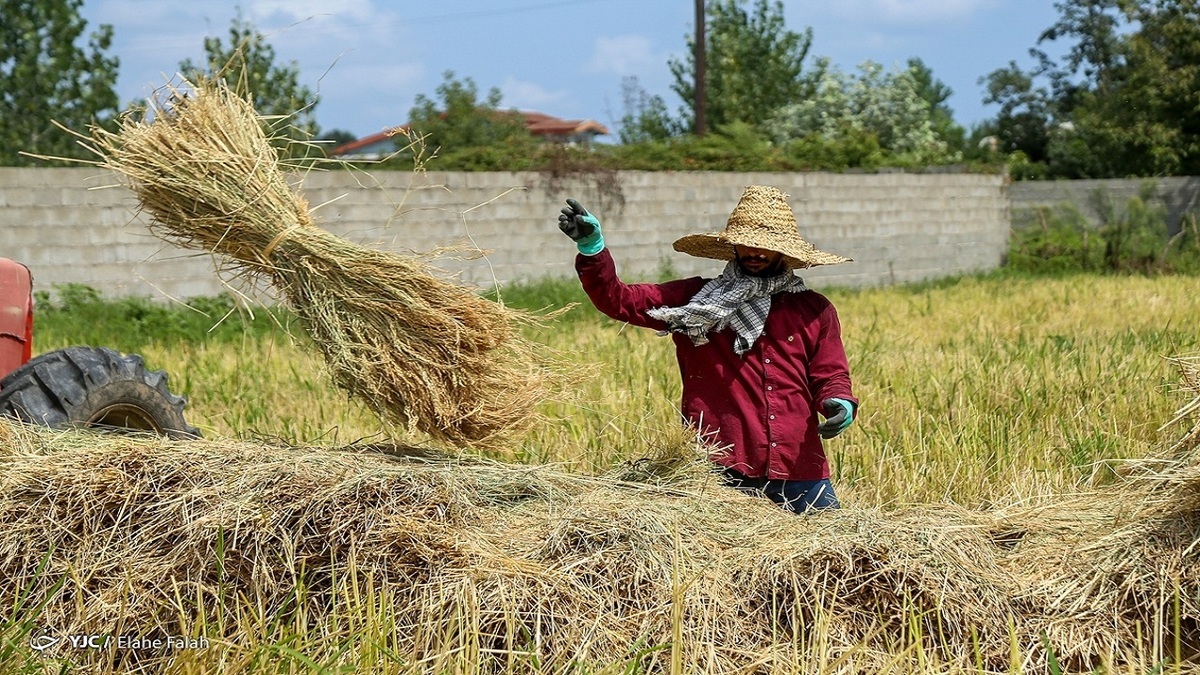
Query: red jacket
[(763, 404)]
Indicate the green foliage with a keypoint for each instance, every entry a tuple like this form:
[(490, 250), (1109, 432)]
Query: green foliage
[(1021, 168), (469, 133), (899, 109), (248, 64), (1123, 101), (733, 147), (510, 154), (1129, 239), (1023, 122), (646, 118), (78, 314), (876, 120), (753, 63), (1135, 238), (844, 146), (936, 93), (1062, 241), (47, 77), (892, 120)]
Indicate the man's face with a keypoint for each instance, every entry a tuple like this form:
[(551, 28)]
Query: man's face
[(759, 262)]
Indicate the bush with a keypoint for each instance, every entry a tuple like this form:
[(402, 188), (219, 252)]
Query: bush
[(735, 147), (1130, 239), (1062, 241)]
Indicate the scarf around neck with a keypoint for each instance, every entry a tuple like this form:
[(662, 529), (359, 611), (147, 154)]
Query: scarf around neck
[(732, 299)]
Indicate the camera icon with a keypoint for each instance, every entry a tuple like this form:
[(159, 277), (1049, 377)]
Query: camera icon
[(41, 640)]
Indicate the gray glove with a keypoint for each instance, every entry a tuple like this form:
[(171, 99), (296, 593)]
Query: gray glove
[(839, 415), (582, 227)]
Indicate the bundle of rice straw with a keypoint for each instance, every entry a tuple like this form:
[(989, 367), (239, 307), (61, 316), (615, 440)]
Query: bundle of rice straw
[(422, 351)]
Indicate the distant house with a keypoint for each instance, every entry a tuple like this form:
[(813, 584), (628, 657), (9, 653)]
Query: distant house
[(550, 128)]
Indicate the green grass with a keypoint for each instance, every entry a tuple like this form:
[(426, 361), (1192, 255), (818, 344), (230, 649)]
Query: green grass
[(77, 314), (971, 391)]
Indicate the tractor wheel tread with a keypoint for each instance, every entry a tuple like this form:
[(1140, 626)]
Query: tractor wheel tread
[(78, 385)]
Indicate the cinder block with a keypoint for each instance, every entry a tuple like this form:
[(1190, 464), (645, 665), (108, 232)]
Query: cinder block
[(868, 216)]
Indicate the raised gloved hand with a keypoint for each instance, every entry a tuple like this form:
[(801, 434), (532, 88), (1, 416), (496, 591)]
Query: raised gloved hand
[(839, 415), (582, 227)]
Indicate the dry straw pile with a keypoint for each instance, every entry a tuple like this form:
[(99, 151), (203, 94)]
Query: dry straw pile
[(419, 349), (456, 566)]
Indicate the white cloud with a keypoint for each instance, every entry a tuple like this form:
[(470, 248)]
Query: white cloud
[(904, 12), (525, 95), (622, 55), (914, 11), (299, 10)]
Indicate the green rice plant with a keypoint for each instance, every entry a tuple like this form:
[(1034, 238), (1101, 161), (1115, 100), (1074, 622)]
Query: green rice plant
[(971, 391)]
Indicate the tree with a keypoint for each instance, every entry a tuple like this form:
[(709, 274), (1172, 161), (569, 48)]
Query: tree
[(936, 93), (1142, 116), (1091, 62), (1023, 123), (646, 118), (459, 122), (896, 109), (248, 64), (335, 137), (46, 77), (753, 64), (332, 138), (1123, 101)]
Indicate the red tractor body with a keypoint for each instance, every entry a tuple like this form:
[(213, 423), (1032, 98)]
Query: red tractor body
[(16, 315)]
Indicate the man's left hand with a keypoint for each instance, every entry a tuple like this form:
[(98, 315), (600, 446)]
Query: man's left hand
[(839, 415)]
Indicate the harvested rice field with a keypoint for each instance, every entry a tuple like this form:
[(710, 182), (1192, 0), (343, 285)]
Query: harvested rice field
[(1016, 499)]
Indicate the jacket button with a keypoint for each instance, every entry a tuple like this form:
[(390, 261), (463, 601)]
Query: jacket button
[(791, 338), (766, 360), (769, 388), (772, 417)]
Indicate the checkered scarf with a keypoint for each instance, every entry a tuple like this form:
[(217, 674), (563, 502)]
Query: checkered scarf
[(733, 299)]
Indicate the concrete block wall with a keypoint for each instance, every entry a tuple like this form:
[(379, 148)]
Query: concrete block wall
[(898, 227), (1180, 195)]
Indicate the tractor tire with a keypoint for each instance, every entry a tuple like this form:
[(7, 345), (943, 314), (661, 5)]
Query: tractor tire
[(94, 387)]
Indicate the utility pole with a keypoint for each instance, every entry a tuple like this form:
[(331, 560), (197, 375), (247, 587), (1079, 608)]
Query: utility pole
[(700, 105)]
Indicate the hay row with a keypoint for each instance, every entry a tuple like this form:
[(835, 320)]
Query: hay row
[(516, 560)]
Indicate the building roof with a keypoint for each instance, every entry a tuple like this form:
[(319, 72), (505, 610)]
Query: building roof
[(538, 124)]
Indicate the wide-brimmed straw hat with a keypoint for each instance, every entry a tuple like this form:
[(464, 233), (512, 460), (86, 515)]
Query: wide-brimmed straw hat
[(762, 219)]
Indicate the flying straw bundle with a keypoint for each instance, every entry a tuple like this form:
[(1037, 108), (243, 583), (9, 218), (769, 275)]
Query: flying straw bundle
[(425, 352)]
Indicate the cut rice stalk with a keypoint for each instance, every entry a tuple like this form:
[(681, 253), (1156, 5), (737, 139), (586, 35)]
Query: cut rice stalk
[(427, 353)]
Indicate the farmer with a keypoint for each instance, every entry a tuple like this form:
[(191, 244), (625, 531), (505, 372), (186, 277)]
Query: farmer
[(759, 353)]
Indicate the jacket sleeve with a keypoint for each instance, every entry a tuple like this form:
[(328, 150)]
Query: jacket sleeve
[(629, 302), (829, 370)]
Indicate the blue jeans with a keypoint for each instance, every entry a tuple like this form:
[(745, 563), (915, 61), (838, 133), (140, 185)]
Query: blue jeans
[(797, 496)]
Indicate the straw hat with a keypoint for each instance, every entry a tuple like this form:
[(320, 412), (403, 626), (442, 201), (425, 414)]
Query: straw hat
[(762, 219)]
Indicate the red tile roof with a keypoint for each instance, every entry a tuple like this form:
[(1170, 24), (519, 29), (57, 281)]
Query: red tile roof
[(538, 124)]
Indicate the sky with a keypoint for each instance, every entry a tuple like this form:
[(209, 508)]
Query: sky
[(369, 59)]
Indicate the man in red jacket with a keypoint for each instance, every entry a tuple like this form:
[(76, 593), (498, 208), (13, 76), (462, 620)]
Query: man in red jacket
[(759, 353)]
